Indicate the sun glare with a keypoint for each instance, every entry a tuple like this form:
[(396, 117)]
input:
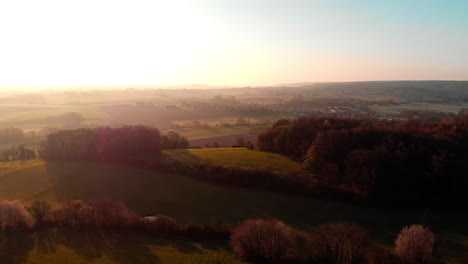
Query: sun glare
[(101, 42)]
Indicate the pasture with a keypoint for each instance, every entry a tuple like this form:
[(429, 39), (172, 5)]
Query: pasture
[(223, 141), (37, 116), (84, 247), (190, 200), (239, 157), (210, 132)]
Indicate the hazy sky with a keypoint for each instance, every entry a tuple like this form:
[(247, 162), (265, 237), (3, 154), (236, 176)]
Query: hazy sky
[(234, 42)]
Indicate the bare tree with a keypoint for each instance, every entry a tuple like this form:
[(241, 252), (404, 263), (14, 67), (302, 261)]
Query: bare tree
[(341, 243), (39, 210)]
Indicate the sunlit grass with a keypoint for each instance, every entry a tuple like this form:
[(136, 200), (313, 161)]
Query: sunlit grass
[(84, 247), (241, 157), (209, 132), (14, 166)]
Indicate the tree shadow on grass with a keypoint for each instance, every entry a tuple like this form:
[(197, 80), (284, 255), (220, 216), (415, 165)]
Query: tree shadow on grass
[(88, 244), (184, 245), (122, 247), (14, 246), (46, 241)]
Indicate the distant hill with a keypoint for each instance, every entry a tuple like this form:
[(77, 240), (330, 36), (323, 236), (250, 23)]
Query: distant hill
[(436, 91)]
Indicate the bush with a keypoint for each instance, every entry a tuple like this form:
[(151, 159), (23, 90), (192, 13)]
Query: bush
[(14, 216), (262, 240), (341, 243), (416, 245)]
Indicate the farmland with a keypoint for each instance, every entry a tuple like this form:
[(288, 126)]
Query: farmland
[(202, 120), (241, 157), (37, 116)]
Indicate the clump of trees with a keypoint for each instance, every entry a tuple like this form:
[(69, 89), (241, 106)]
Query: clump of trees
[(101, 213), (270, 241), (20, 152), (98, 213), (173, 140), (109, 144), (423, 162), (293, 138), (13, 216)]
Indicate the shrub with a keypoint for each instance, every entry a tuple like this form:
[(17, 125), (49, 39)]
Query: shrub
[(14, 216), (261, 240), (341, 243), (416, 244)]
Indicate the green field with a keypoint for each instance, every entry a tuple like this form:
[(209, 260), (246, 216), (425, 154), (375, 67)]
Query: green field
[(241, 157), (190, 200), (84, 247), (209, 132)]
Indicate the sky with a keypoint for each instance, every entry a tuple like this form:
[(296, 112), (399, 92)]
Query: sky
[(237, 42)]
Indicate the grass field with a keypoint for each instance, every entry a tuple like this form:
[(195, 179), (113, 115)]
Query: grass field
[(190, 200), (241, 157), (209, 132), (7, 168), (78, 247), (34, 117)]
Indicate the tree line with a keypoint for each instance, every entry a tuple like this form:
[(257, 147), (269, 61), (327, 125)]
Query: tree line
[(414, 164), (12, 136), (254, 240), (109, 144)]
